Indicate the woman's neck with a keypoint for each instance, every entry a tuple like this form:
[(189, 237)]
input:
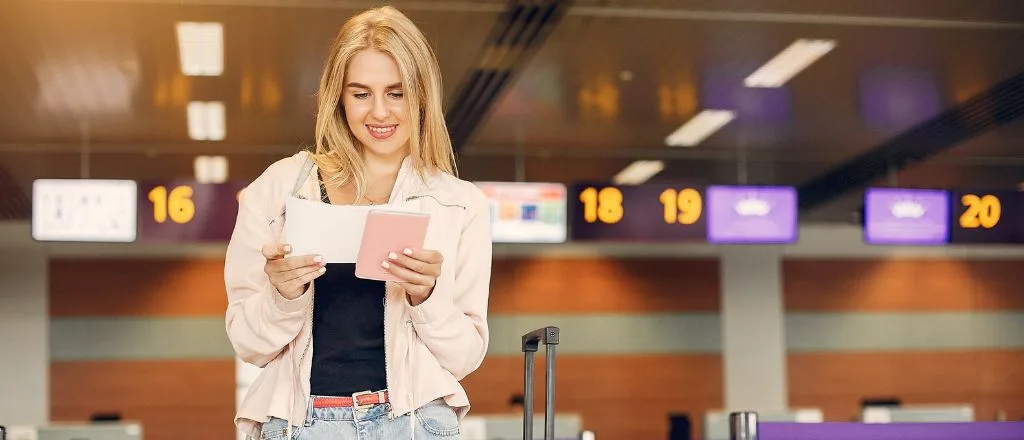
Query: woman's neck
[(382, 168)]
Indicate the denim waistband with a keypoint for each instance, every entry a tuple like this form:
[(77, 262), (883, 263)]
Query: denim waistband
[(345, 413)]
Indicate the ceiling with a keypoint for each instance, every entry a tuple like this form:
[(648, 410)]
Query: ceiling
[(92, 88)]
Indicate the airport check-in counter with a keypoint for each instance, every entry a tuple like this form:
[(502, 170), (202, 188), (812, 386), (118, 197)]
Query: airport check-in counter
[(510, 427), (78, 431), (917, 414), (935, 422), (716, 423)]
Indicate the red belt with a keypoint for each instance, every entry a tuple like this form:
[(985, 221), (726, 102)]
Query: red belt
[(362, 399)]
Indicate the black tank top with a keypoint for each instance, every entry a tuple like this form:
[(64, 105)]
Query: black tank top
[(348, 331)]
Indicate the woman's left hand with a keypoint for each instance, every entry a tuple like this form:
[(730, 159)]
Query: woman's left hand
[(419, 268)]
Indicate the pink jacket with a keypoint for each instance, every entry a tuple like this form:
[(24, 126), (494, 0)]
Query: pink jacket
[(428, 348)]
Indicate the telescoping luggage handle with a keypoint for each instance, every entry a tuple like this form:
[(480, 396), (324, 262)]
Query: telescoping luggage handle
[(531, 341)]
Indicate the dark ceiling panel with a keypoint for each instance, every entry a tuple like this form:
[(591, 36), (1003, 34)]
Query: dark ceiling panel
[(520, 30), (608, 84), (992, 108)]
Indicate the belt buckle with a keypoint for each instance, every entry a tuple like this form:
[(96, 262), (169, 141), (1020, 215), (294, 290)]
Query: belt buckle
[(355, 401)]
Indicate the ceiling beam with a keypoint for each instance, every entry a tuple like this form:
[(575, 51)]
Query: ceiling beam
[(991, 108), (521, 29), (14, 203)]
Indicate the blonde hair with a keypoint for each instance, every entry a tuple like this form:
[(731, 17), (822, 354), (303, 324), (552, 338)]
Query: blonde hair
[(337, 151)]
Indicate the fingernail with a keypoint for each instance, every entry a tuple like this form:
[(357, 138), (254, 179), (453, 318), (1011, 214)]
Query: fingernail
[(318, 258), (323, 269), (392, 255), (287, 249), (407, 251), (385, 264)]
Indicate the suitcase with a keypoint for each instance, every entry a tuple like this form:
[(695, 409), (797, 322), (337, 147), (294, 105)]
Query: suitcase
[(531, 341)]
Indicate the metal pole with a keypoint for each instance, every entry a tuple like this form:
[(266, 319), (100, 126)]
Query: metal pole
[(549, 406), (520, 155), (528, 398), (893, 175), (743, 426), (741, 162), (83, 165)]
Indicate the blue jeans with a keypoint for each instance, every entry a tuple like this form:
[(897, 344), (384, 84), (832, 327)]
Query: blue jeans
[(433, 421)]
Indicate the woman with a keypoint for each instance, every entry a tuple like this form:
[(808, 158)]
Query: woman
[(380, 138)]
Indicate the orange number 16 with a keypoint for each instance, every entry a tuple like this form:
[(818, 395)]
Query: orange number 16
[(177, 204)]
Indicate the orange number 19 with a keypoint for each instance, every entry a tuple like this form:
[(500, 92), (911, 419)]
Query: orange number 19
[(683, 206)]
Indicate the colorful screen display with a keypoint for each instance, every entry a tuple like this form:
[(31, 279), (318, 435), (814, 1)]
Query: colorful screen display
[(526, 212)]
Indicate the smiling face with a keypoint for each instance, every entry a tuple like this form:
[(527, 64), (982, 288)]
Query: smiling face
[(375, 104)]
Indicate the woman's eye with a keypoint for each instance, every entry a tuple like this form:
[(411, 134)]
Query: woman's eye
[(397, 95), (361, 95)]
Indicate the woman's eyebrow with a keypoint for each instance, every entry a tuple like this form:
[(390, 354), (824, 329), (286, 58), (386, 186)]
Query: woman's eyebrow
[(364, 86)]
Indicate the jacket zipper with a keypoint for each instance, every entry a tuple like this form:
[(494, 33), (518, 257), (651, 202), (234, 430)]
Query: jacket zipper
[(450, 205), (302, 357), (408, 322), (304, 177), (387, 368)]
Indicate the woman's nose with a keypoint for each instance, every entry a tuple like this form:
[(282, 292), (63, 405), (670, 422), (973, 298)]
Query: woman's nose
[(380, 109)]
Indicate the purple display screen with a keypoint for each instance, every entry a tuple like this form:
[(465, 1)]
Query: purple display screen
[(751, 214), (906, 216)]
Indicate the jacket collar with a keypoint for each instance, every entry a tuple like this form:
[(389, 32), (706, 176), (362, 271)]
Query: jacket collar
[(409, 183)]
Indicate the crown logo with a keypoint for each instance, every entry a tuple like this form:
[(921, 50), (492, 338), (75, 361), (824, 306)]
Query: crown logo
[(751, 206), (907, 209)]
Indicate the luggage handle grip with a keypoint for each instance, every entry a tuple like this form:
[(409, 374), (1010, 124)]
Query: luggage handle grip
[(531, 342)]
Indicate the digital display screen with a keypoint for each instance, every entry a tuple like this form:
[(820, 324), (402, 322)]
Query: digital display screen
[(906, 216), (187, 211), (987, 216), (751, 214), (84, 210), (647, 212), (526, 212), (184, 211)]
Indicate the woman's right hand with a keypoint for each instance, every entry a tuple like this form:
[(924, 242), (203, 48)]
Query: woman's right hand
[(291, 275)]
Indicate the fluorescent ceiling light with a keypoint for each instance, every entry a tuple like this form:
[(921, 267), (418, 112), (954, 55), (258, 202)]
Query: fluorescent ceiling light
[(206, 121), (201, 48), (638, 172), (789, 62), (699, 128), (211, 169)]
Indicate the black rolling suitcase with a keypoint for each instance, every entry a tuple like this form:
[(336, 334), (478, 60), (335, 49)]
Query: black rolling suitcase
[(531, 341)]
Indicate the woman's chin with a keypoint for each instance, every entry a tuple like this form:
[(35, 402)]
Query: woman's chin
[(386, 149)]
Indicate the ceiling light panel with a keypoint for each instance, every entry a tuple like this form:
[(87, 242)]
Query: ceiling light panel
[(699, 128), (201, 48), (638, 172), (206, 121), (791, 61), (211, 169)]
